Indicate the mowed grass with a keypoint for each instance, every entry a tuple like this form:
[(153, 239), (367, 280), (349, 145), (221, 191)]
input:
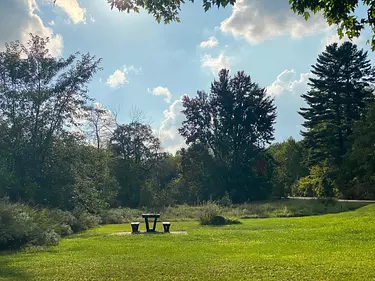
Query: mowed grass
[(329, 247)]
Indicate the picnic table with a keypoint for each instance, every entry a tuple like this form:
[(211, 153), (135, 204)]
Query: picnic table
[(146, 217)]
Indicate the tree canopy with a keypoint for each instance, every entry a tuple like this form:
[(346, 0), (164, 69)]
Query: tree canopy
[(340, 13), (339, 95), (235, 121)]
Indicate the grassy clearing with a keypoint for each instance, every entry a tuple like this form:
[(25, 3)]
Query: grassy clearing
[(330, 247)]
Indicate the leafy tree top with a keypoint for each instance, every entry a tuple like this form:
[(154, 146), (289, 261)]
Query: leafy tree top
[(340, 13), (236, 118)]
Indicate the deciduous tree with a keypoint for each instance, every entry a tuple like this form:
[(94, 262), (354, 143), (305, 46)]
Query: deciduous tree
[(235, 121)]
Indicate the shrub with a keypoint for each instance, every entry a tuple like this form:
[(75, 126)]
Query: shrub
[(85, 221), (207, 212), (113, 216), (49, 237), (218, 220), (319, 183), (65, 221), (21, 225), (119, 215)]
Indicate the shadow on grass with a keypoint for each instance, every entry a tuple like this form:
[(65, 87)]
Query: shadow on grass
[(9, 272), (222, 222)]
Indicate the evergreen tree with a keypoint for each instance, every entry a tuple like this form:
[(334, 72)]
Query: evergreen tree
[(339, 95)]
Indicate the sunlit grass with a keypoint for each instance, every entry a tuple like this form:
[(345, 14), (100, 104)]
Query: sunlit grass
[(329, 247)]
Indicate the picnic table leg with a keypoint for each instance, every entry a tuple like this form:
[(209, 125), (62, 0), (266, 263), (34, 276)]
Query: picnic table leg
[(154, 227), (147, 226)]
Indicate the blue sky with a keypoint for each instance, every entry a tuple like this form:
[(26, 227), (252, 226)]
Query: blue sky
[(150, 66)]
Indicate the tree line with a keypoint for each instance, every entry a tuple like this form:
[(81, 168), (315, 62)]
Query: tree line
[(59, 149)]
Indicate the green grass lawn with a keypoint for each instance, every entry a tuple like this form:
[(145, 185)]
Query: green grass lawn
[(329, 247)]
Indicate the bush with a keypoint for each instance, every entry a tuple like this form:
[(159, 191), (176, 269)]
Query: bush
[(207, 212), (65, 222), (319, 183), (119, 216), (21, 225), (218, 220), (49, 237), (85, 221)]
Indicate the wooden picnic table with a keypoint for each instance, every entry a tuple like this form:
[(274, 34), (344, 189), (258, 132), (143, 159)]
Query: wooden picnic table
[(146, 217)]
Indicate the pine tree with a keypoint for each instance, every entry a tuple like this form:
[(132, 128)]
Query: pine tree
[(340, 93)]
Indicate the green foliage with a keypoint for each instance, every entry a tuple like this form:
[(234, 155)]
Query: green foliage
[(85, 220), (200, 174), (208, 211), (166, 11), (290, 159), (268, 209), (95, 187), (21, 225), (138, 162), (66, 221), (41, 99), (218, 220), (318, 183), (339, 95), (233, 123), (225, 201), (120, 215), (360, 161), (340, 13)]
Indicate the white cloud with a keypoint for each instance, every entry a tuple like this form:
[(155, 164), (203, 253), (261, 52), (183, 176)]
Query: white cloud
[(162, 91), (301, 85), (120, 76), (211, 42), (117, 78), (19, 19), (216, 64), (73, 10), (51, 22), (287, 81), (259, 20), (287, 90), (169, 136)]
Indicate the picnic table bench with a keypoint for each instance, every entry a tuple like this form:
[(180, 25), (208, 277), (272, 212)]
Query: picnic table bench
[(135, 225), (155, 217)]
